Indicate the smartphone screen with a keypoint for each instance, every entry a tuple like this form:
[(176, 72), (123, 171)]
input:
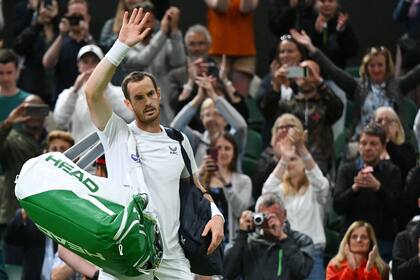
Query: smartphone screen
[(37, 110), (213, 152), (295, 72)]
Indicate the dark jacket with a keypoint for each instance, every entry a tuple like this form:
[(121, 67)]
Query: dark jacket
[(282, 17), (265, 165), (16, 147), (357, 91), (317, 114), (339, 46), (405, 258), (412, 191), (378, 208), (254, 257), (26, 235), (404, 156)]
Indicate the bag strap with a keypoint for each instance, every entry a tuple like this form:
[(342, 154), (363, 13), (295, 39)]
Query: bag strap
[(91, 145), (177, 135)]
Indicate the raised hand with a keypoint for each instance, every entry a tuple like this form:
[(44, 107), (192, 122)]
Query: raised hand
[(81, 79), (297, 137), (18, 115), (245, 221), (132, 29), (320, 23), (351, 258), (303, 39), (342, 20), (372, 257), (223, 69)]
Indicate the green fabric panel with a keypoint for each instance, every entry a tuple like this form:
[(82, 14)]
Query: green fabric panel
[(82, 227)]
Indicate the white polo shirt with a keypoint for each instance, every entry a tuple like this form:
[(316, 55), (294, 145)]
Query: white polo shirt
[(162, 165)]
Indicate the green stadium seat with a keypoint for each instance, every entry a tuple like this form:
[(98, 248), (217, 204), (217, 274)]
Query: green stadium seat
[(254, 144), (248, 165), (255, 119)]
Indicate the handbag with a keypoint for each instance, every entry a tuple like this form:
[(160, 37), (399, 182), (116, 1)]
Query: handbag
[(194, 215)]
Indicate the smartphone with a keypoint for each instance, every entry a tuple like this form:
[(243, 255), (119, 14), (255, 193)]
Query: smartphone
[(297, 72), (47, 3), (37, 110), (213, 152)]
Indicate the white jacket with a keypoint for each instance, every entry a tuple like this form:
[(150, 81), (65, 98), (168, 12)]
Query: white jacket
[(71, 111)]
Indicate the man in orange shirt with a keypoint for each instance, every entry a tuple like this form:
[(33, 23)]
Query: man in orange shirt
[(231, 25)]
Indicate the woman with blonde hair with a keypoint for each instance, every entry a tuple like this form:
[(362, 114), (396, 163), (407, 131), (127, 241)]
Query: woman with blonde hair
[(358, 256), (377, 86), (304, 189), (398, 150), (271, 155)]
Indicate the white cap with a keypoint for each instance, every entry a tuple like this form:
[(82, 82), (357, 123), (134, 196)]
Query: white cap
[(90, 49)]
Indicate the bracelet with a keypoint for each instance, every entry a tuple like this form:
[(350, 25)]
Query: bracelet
[(187, 87), (306, 157), (117, 53)]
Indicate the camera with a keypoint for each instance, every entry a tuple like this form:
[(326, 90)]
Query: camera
[(259, 219), (74, 20)]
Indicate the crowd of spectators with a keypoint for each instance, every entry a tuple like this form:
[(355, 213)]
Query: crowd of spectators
[(289, 185)]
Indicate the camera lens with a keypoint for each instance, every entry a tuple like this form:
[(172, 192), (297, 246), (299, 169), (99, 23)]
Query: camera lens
[(258, 219)]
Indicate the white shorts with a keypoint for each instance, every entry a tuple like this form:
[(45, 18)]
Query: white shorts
[(176, 269)]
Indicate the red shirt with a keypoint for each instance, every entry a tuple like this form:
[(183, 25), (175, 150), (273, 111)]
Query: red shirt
[(345, 272)]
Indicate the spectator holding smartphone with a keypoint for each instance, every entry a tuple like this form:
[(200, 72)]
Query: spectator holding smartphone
[(32, 43), (377, 86), (17, 145), (314, 103), (61, 56), (231, 190)]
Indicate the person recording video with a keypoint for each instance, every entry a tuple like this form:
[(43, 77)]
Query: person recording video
[(312, 101)]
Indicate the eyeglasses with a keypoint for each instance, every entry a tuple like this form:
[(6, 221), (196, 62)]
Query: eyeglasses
[(286, 37), (286, 126), (380, 121)]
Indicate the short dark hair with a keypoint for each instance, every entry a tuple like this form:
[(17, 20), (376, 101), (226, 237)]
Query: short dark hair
[(375, 130), (136, 76), (9, 56)]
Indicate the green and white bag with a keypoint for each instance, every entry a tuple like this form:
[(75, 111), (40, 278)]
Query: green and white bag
[(103, 223)]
